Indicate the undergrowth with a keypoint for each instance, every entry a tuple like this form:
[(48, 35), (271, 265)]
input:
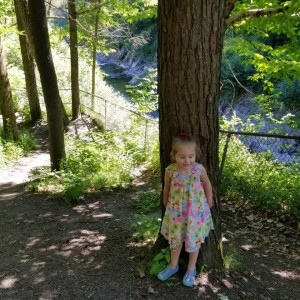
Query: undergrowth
[(11, 150), (95, 161), (256, 178), (147, 221)]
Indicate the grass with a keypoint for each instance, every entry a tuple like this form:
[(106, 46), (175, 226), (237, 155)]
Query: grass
[(95, 161), (256, 178), (11, 151)]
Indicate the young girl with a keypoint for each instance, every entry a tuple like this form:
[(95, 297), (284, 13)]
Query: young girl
[(187, 198)]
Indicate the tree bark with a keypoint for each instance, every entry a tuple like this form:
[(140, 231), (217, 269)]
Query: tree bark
[(54, 106), (190, 44), (6, 103), (28, 64), (94, 59), (74, 59)]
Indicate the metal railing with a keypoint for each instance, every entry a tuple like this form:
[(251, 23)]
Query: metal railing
[(283, 149)]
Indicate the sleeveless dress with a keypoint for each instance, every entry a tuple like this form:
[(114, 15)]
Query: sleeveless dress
[(187, 218)]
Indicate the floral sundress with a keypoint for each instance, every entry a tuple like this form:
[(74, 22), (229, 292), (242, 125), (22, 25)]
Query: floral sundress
[(187, 218)]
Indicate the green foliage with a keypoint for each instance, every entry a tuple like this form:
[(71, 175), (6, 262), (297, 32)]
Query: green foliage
[(155, 157), (268, 45), (148, 202), (146, 227), (233, 261), (144, 93), (289, 93), (257, 179), (97, 160), (160, 261), (10, 150)]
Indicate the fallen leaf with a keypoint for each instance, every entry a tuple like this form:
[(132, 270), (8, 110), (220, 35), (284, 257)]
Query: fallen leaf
[(141, 272), (151, 290), (250, 217)]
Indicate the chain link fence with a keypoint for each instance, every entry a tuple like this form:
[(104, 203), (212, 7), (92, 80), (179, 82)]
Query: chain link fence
[(261, 169), (117, 117), (277, 149)]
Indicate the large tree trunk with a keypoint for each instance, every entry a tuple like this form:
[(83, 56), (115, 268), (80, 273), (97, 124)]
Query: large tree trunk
[(190, 41), (6, 103), (28, 64), (74, 59), (54, 106)]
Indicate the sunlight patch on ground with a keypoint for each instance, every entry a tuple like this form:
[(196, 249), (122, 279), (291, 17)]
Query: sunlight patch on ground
[(287, 274), (224, 239), (247, 247), (36, 266), (50, 248), (7, 196), (8, 282), (90, 241), (80, 208), (141, 244), (103, 215), (94, 205), (203, 282), (39, 279), (46, 215), (33, 241)]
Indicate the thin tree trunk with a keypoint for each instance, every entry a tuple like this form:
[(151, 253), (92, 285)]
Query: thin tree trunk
[(189, 60), (74, 59), (6, 103), (23, 9), (28, 65), (54, 106), (94, 59)]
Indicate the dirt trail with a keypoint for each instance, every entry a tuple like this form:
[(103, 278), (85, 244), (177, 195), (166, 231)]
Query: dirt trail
[(50, 250)]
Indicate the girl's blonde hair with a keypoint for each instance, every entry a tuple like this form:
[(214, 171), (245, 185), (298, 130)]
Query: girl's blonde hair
[(182, 139)]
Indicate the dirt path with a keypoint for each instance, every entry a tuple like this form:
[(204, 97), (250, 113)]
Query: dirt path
[(50, 250)]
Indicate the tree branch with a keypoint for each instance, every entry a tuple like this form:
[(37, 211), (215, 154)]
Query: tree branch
[(229, 5), (254, 13)]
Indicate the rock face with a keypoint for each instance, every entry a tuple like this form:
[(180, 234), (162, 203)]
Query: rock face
[(124, 64), (282, 149)]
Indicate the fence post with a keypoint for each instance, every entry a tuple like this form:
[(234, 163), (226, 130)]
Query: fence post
[(224, 153), (105, 114), (146, 136)]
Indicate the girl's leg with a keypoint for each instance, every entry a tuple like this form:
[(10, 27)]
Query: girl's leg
[(193, 260), (175, 253), (172, 268), (189, 277)]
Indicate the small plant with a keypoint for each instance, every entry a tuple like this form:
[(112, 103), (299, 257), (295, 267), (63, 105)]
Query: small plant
[(148, 202), (160, 261), (145, 227)]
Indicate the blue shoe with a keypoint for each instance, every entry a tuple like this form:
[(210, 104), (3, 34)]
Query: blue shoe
[(189, 278), (166, 273)]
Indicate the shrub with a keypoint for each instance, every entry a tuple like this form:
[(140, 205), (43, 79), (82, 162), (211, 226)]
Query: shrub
[(257, 179)]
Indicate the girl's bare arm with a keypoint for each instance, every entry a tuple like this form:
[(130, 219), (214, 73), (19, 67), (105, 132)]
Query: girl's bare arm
[(166, 188), (207, 186)]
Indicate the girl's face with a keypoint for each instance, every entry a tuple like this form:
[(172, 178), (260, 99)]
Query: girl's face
[(185, 157)]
